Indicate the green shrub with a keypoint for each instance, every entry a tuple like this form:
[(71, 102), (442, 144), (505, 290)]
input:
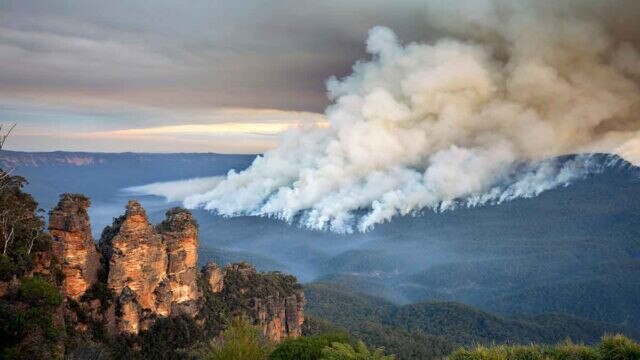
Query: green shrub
[(20, 216), (341, 351), (168, 336), (18, 324), (38, 292), (615, 347), (618, 347), (306, 348), (13, 326), (530, 352), (572, 352), (241, 341)]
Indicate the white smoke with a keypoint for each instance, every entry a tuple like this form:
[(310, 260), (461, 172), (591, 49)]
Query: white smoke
[(177, 190), (449, 123)]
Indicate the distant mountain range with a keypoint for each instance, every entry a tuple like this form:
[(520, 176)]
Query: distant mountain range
[(573, 250), (22, 159)]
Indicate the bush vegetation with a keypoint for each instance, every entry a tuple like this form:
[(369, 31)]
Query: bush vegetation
[(239, 341), (341, 351), (29, 325), (29, 328), (612, 347), (22, 232), (307, 347)]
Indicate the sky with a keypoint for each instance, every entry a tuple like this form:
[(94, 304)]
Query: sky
[(203, 75), (172, 76)]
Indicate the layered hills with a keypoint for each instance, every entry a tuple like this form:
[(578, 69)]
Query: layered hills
[(431, 330)]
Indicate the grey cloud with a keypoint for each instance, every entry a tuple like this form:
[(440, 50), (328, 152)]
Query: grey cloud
[(200, 53)]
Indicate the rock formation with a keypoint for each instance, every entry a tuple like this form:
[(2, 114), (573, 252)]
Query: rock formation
[(214, 277), (152, 271), (179, 233), (279, 315), (71, 231)]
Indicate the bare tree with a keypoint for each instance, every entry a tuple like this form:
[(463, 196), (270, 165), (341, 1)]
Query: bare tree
[(32, 239), (3, 137), (7, 231), (5, 174), (6, 222)]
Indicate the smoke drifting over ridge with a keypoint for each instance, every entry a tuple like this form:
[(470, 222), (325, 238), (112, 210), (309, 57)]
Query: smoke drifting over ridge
[(460, 121)]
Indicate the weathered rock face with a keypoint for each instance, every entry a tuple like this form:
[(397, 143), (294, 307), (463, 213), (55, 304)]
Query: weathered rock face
[(129, 311), (214, 276), (279, 315), (135, 255), (180, 235), (71, 230), (152, 271)]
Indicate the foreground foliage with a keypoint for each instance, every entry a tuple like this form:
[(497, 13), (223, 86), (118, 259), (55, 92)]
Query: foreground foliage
[(307, 347), (22, 233), (340, 351), (239, 341), (30, 326), (615, 347)]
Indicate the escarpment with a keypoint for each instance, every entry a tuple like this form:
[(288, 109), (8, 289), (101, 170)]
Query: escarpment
[(140, 273)]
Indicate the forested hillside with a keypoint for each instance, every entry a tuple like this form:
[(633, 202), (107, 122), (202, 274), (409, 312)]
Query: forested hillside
[(433, 329)]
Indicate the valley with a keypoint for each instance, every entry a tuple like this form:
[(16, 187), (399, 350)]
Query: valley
[(565, 262)]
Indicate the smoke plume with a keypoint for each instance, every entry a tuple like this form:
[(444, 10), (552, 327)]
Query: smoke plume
[(468, 119)]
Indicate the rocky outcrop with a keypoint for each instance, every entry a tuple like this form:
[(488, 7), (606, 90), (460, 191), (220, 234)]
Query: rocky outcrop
[(179, 233), (70, 229), (276, 301), (135, 256), (151, 270), (129, 311), (213, 276), (279, 317)]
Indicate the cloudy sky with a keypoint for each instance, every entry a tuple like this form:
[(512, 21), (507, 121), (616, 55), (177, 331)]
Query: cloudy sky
[(223, 76), (199, 75)]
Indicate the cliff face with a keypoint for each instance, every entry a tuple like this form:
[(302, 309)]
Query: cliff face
[(279, 317), (152, 271), (214, 276), (70, 229), (179, 234), (275, 302)]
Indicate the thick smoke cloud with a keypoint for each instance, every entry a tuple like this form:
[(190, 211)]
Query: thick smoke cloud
[(460, 121)]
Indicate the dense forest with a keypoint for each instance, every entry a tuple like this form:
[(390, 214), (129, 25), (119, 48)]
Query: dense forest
[(432, 330)]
